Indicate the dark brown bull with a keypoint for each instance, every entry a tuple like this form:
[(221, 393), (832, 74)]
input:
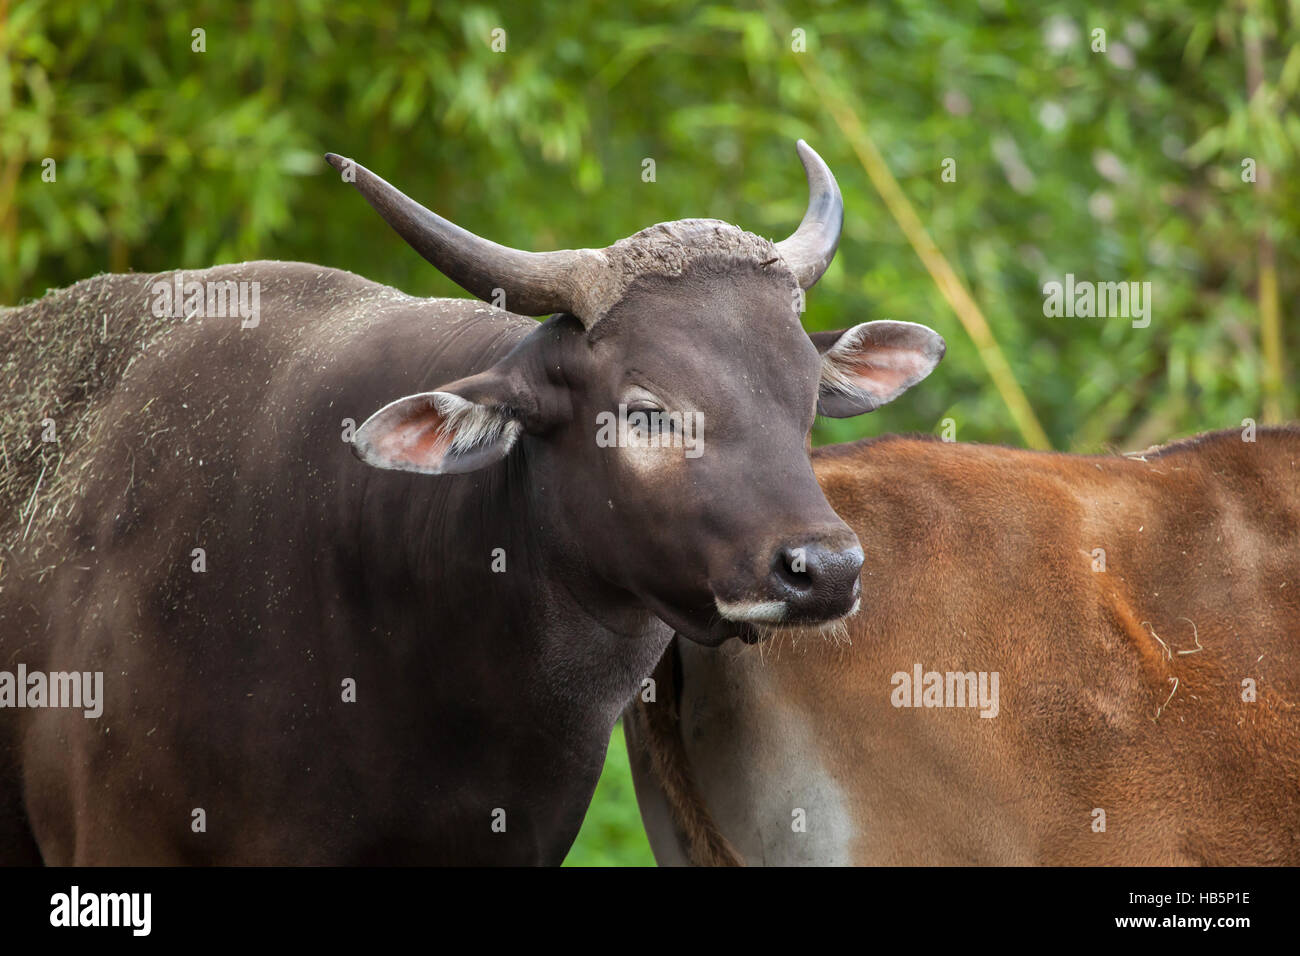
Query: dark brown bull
[(1141, 615), (491, 595)]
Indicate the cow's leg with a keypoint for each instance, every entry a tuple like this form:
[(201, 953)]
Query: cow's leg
[(657, 815), (677, 821)]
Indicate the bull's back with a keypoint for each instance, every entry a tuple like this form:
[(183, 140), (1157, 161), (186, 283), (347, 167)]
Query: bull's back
[(1140, 615), (118, 409)]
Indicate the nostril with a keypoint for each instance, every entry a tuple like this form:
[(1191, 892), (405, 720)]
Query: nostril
[(791, 566)]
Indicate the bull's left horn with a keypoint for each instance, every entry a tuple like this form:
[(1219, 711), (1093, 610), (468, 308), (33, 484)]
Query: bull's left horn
[(811, 247), (534, 283)]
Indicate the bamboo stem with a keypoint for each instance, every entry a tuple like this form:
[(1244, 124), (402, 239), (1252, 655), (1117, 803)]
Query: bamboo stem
[(1270, 317)]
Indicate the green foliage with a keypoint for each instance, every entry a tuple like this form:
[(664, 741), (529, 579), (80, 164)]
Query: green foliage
[(1122, 165), (612, 834)]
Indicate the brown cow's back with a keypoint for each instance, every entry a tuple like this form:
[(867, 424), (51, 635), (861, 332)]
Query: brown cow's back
[(1124, 690)]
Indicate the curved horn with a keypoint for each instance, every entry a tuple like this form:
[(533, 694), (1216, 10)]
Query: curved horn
[(811, 247), (535, 283)]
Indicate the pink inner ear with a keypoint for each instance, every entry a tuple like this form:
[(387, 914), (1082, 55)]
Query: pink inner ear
[(420, 439), (881, 370)]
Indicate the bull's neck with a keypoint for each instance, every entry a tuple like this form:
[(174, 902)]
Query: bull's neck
[(489, 564)]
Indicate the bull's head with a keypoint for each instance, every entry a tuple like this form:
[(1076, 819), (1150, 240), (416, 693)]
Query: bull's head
[(665, 406)]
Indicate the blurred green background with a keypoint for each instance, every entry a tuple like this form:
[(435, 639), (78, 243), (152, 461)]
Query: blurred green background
[(1161, 149)]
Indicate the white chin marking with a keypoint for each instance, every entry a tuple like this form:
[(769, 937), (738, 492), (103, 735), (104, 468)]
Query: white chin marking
[(752, 612)]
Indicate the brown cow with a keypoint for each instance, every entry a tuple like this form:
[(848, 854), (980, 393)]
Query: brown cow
[(1123, 630)]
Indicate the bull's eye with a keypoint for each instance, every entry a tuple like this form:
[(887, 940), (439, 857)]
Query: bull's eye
[(650, 426), (650, 419)]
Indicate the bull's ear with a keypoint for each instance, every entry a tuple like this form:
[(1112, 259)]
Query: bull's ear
[(462, 427), (873, 363)]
